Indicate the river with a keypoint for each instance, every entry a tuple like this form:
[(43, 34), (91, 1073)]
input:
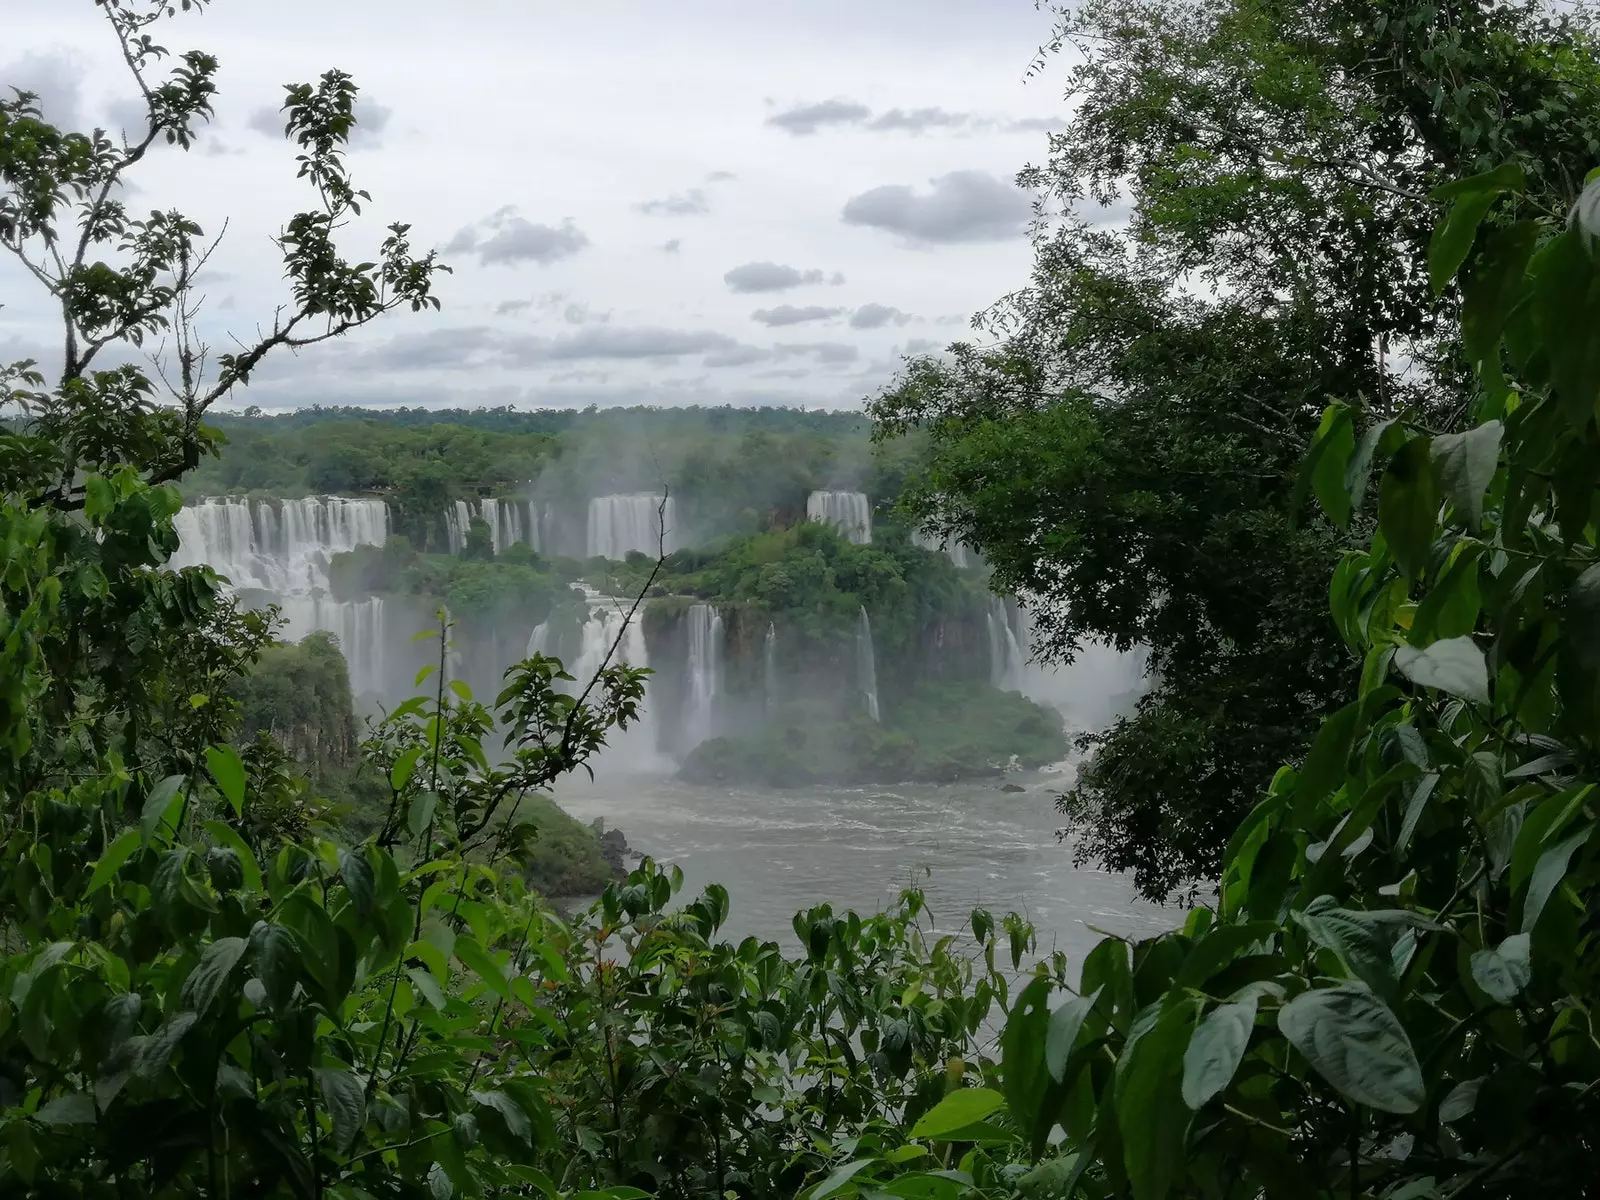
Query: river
[(965, 845)]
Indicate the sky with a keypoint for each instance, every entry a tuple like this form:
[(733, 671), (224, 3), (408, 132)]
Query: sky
[(701, 202)]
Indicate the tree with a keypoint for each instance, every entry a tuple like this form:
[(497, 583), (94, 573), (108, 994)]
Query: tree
[(1392, 996), (1127, 454)]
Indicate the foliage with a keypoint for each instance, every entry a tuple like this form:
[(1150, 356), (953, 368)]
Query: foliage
[(1394, 994), (935, 732), (300, 694), (1126, 456)]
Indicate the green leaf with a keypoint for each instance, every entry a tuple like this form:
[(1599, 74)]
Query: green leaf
[(439, 1185), (478, 960), (359, 881), (1363, 941), (1062, 1033), (158, 1047), (516, 1121), (1504, 971), (225, 767), (1352, 1039), (1548, 873), (1151, 1114), (225, 835), (1567, 310), (839, 1177), (1025, 1078), (1359, 472), (1465, 462), (960, 1108), (1216, 1050), (1581, 622), (75, 1108), (112, 858), (275, 955), (420, 815), (1327, 478), (206, 981), (1328, 759), (404, 766), (1451, 607), (1454, 665), (1453, 237), (346, 1102), (1489, 291), (1408, 506), (161, 808)]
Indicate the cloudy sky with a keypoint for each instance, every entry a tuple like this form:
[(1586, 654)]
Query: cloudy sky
[(707, 201)]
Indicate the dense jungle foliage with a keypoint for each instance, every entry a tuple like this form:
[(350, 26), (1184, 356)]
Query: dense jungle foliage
[(1124, 447), (205, 993)]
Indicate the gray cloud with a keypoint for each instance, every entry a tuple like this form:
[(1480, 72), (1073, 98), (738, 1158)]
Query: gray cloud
[(739, 356), (601, 342), (920, 120), (771, 277), (57, 79), (1035, 124), (515, 240), (788, 314), (876, 316), (372, 119), (510, 308), (804, 119), (672, 245), (721, 177), (692, 203), (920, 345), (826, 353), (963, 206)]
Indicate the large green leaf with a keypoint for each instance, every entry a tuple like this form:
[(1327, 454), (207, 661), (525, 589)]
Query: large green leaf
[(1025, 1077), (1505, 970), (1216, 1050), (160, 811), (516, 1121), (482, 964), (1150, 1111), (1454, 665), (961, 1108), (224, 835), (112, 858), (1408, 506), (345, 1101), (275, 955), (1547, 876), (211, 973), (1352, 1039), (1489, 291), (1453, 236), (1466, 463), (1567, 312), (1062, 1033), (359, 880), (225, 767)]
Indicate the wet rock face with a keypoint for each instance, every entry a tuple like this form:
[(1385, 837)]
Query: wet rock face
[(1013, 787), (614, 847)]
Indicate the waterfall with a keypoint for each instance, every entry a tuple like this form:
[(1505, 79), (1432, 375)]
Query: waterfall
[(867, 664), (1007, 636), (960, 557), (618, 524), (283, 548), (848, 512), (509, 522), (704, 674), (769, 666)]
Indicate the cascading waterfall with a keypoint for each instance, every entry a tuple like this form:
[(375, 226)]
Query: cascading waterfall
[(769, 666), (867, 664), (704, 674), (960, 556), (509, 522), (283, 548), (848, 512), (1098, 685), (640, 521)]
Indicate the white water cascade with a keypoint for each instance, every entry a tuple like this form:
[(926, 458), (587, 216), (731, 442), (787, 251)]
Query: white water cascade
[(704, 674), (769, 666), (603, 622), (867, 664), (639, 521), (1100, 684), (960, 556), (509, 521), (848, 512), (283, 548)]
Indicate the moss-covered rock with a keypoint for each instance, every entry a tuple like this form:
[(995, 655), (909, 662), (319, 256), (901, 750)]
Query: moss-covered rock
[(938, 732)]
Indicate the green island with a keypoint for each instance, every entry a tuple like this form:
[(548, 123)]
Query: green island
[(1313, 426)]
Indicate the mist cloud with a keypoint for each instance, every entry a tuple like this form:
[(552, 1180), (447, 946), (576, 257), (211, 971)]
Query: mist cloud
[(963, 206)]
